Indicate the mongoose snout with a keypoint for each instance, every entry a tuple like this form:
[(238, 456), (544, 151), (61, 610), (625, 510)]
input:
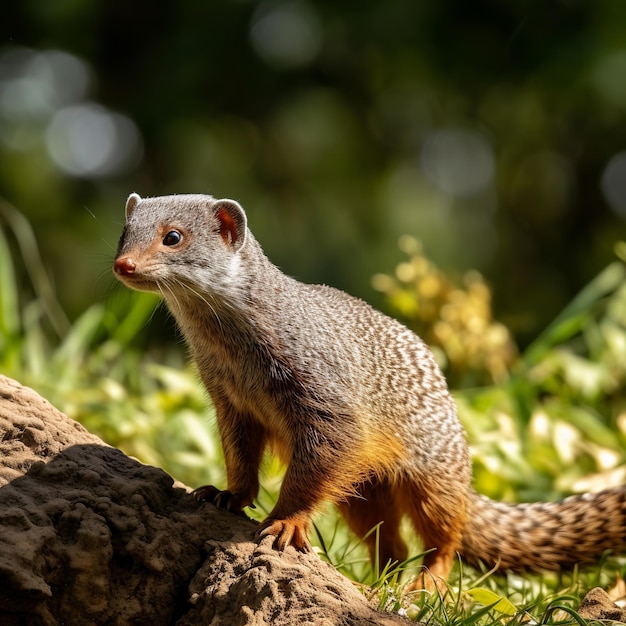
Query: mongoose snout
[(124, 266)]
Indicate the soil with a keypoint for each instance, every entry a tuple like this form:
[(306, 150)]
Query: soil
[(90, 536)]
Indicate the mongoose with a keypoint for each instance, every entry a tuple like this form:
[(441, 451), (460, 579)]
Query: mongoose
[(350, 399)]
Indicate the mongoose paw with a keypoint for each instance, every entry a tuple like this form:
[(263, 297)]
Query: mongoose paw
[(287, 532), (222, 499), (427, 581)]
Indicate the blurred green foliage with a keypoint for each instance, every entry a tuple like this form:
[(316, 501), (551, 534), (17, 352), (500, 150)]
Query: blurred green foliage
[(493, 132), (455, 320), (544, 422), (553, 423)]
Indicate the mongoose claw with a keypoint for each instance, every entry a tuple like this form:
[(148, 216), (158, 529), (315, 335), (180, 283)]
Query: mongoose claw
[(222, 499), (287, 532)]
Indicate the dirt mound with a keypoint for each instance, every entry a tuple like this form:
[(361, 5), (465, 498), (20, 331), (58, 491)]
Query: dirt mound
[(91, 536)]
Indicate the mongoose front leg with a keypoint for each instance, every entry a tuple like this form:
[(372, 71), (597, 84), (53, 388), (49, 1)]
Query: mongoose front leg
[(292, 531), (308, 482), (243, 442), (222, 499), (289, 525)]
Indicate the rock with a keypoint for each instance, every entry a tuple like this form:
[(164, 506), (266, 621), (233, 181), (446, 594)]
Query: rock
[(90, 536), (597, 605)]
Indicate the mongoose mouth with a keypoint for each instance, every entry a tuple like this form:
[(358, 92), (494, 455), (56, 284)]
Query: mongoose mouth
[(139, 284)]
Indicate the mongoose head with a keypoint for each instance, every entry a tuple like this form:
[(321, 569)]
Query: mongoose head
[(182, 244)]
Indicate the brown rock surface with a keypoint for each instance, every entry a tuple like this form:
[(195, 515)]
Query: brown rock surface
[(597, 605), (91, 536)]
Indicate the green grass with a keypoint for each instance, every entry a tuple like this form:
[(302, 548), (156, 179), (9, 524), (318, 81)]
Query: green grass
[(557, 424)]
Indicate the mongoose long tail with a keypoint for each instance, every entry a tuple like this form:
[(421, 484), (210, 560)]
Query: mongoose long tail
[(545, 536)]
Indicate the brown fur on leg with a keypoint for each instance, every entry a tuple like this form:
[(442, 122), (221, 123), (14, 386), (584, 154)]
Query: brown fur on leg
[(376, 503), (439, 517)]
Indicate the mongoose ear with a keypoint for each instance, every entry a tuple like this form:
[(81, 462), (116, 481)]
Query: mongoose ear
[(232, 223), (133, 200)]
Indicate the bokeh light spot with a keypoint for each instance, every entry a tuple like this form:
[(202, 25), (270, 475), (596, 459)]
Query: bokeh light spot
[(286, 34), (458, 161), (87, 140), (613, 183)]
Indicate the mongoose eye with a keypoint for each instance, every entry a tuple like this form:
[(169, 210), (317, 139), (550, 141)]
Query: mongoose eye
[(172, 238)]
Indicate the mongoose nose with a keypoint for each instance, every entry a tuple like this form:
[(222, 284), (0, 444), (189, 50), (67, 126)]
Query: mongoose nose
[(124, 266)]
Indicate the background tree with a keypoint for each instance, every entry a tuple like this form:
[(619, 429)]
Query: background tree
[(494, 132)]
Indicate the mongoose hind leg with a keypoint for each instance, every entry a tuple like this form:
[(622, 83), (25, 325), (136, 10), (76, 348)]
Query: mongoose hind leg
[(438, 514), (376, 503)]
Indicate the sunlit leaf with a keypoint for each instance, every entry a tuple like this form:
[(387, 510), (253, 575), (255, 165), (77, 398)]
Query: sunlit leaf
[(493, 600)]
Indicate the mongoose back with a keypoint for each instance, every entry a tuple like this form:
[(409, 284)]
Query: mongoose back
[(351, 400)]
